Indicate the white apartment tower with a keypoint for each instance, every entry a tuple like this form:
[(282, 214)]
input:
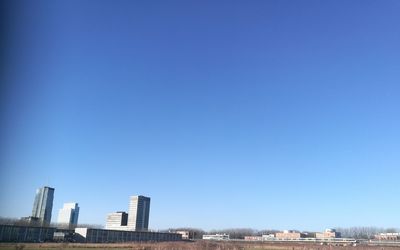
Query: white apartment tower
[(139, 211), (68, 215)]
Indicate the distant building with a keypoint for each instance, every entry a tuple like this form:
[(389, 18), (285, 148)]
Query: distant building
[(216, 237), (139, 211), (117, 221), (91, 235), (185, 234), (328, 234), (289, 235), (68, 215), (253, 238), (43, 205), (388, 236), (268, 236)]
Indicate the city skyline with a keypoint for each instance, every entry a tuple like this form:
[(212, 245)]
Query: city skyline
[(139, 206), (228, 114)]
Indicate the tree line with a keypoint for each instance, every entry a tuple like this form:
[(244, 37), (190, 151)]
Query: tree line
[(22, 222)]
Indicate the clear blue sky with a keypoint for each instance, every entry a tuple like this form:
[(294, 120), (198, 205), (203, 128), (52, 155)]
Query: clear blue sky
[(262, 114)]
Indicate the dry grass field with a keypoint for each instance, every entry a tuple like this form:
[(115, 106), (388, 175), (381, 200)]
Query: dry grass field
[(198, 245)]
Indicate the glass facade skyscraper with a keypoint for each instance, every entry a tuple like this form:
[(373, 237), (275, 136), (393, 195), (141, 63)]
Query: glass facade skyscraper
[(139, 211), (43, 205)]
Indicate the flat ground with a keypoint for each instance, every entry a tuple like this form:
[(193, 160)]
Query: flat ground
[(198, 245)]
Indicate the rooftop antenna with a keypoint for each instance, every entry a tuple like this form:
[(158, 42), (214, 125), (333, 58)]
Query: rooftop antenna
[(49, 184)]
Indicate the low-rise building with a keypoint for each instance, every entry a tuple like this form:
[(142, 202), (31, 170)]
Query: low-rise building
[(328, 234), (91, 235), (11, 233), (216, 237), (268, 237), (253, 238), (64, 235), (185, 234), (388, 236), (289, 235)]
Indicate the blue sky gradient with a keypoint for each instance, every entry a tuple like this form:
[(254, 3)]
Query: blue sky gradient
[(262, 114)]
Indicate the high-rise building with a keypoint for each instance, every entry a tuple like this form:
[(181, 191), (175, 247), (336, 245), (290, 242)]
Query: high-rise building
[(43, 205), (139, 211), (68, 215), (117, 221)]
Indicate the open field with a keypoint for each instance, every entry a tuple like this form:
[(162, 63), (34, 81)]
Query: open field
[(198, 245)]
